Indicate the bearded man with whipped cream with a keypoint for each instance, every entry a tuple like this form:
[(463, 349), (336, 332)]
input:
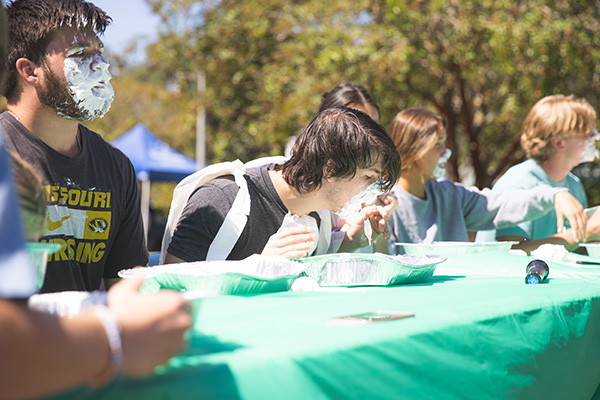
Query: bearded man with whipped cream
[(559, 133), (57, 76)]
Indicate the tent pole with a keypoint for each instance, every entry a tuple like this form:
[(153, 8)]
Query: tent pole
[(146, 206), (201, 124)]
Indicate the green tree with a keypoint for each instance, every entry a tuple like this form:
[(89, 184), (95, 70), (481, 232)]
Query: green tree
[(480, 63), (483, 64)]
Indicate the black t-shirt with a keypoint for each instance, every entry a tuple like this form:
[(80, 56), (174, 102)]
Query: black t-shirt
[(208, 206), (93, 208)]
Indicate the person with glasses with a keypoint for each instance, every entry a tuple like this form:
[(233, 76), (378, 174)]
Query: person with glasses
[(558, 134)]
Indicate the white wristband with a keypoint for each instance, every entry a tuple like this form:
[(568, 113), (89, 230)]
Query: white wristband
[(113, 333)]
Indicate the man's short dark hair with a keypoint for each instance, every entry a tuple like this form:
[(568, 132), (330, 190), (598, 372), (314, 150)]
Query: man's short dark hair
[(32, 25), (336, 143)]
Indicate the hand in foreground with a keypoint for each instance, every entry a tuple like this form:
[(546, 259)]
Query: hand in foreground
[(152, 325), (567, 206), (291, 242)]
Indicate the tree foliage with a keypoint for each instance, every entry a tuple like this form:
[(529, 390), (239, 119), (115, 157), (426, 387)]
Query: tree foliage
[(480, 63)]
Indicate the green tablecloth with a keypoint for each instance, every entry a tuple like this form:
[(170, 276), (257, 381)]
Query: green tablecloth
[(479, 332)]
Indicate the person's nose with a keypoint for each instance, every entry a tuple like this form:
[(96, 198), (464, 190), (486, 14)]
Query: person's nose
[(99, 63)]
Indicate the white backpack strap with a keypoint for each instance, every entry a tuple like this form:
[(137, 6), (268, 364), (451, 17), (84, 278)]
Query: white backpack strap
[(236, 218), (265, 160), (234, 222), (184, 190)]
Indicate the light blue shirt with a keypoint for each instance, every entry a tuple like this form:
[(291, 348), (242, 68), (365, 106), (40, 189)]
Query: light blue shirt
[(17, 279), (527, 175), (450, 210)]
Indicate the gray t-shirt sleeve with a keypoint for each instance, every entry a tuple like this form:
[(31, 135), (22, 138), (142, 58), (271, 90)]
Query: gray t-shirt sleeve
[(487, 209), (201, 219)]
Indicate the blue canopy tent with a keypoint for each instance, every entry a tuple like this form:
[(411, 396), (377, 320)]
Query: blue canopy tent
[(153, 160)]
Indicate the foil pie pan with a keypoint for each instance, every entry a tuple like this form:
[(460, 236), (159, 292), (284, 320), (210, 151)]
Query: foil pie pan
[(358, 269), (451, 248), (255, 274)]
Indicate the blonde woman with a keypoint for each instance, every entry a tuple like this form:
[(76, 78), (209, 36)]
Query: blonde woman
[(435, 209), (558, 134)]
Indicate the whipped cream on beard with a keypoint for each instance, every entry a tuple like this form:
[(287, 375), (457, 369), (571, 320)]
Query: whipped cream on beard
[(590, 153), (88, 81), (440, 168)]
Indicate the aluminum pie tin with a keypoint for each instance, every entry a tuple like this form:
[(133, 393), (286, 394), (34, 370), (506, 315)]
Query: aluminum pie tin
[(451, 248), (358, 269), (255, 274)]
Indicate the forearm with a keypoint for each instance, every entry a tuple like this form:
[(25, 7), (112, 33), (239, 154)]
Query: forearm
[(44, 354), (565, 239), (512, 207)]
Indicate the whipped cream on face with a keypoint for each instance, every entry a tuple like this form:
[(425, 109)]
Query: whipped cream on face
[(440, 168), (591, 152), (88, 80), (353, 207)]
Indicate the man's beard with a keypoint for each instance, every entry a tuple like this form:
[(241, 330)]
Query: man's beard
[(82, 100), (56, 95)]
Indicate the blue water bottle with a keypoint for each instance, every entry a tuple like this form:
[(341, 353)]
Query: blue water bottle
[(537, 271)]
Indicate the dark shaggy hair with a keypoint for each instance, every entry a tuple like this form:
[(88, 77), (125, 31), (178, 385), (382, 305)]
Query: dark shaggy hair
[(32, 25), (336, 143)]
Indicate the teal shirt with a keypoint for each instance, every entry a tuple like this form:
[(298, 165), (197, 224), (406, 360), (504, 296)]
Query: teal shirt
[(527, 175)]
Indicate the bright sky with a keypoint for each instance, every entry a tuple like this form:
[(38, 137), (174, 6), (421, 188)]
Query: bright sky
[(131, 19)]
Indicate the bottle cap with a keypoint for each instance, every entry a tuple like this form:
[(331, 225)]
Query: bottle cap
[(532, 279)]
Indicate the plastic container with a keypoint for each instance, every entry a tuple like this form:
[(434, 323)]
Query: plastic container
[(38, 254)]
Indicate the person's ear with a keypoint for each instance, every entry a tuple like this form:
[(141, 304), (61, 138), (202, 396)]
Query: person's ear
[(558, 143), (27, 69)]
